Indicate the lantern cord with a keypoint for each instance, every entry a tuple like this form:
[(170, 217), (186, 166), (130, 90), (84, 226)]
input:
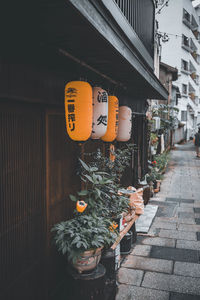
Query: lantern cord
[(65, 53)]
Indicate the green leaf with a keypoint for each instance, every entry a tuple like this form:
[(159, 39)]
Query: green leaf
[(83, 193), (89, 178), (73, 198), (84, 165), (93, 169)]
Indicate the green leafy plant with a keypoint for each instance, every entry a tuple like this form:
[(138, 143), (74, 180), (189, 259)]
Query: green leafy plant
[(154, 175), (162, 160), (82, 233), (154, 139), (100, 193), (168, 116)]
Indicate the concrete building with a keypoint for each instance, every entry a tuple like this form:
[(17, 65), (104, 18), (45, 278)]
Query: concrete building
[(180, 21)]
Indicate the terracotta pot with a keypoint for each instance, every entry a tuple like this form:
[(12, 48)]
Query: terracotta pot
[(88, 260)]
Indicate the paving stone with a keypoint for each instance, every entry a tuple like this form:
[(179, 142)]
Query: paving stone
[(186, 200), (162, 203), (187, 269), (186, 209), (163, 225), (173, 199), (185, 215), (186, 255), (178, 296), (128, 292), (183, 244), (150, 264), (154, 231), (182, 235), (157, 241), (197, 220), (166, 220), (180, 200), (165, 211), (198, 236), (189, 227), (130, 276), (185, 205), (141, 250), (173, 283), (186, 221)]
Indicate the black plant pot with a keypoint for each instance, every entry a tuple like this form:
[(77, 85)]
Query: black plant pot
[(125, 244)]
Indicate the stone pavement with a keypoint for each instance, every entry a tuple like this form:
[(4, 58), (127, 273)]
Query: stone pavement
[(165, 263)]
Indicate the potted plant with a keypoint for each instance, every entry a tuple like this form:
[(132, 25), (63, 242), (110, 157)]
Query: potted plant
[(100, 193), (154, 178), (82, 240)]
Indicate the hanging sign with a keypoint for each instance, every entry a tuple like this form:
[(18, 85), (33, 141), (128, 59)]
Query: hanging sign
[(125, 124), (78, 110), (100, 113), (113, 110)]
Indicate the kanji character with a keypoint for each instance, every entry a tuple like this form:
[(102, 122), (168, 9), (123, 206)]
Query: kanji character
[(71, 92), (102, 97), (71, 108), (102, 119), (71, 117)]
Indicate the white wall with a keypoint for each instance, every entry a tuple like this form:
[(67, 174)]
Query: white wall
[(170, 21)]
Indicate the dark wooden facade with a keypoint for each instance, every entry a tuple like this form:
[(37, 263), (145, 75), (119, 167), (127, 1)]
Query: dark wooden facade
[(54, 44)]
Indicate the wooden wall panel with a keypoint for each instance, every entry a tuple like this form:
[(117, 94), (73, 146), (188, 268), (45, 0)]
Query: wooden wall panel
[(22, 202), (61, 180)]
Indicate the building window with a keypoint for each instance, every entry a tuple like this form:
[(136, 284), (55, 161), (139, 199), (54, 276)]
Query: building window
[(186, 16), (184, 89), (199, 101), (184, 65), (184, 115), (185, 41)]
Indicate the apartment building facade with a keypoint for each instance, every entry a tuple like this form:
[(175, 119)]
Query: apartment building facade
[(180, 21)]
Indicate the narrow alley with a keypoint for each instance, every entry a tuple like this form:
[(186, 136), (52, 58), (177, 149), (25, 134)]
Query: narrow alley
[(164, 264)]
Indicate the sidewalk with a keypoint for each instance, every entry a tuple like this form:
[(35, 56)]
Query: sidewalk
[(165, 264)]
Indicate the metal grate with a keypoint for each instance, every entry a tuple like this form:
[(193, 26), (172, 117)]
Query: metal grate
[(140, 15)]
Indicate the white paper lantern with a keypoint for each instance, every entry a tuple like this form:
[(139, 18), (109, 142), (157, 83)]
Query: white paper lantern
[(125, 124), (100, 113)]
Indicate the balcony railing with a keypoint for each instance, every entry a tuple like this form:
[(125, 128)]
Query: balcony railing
[(140, 15)]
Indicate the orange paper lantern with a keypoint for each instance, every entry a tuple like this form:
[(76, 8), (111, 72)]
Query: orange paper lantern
[(78, 110), (112, 127)]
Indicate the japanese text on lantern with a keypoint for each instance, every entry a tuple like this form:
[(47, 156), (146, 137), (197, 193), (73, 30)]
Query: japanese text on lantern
[(70, 96), (102, 97)]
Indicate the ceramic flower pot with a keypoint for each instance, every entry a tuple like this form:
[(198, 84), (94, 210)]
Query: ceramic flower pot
[(88, 260)]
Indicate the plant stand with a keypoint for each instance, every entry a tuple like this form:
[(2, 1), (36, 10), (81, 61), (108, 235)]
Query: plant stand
[(88, 286)]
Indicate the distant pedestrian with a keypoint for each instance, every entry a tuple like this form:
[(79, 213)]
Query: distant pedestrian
[(197, 142)]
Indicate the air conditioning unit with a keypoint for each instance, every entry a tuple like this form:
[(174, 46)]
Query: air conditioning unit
[(156, 123)]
